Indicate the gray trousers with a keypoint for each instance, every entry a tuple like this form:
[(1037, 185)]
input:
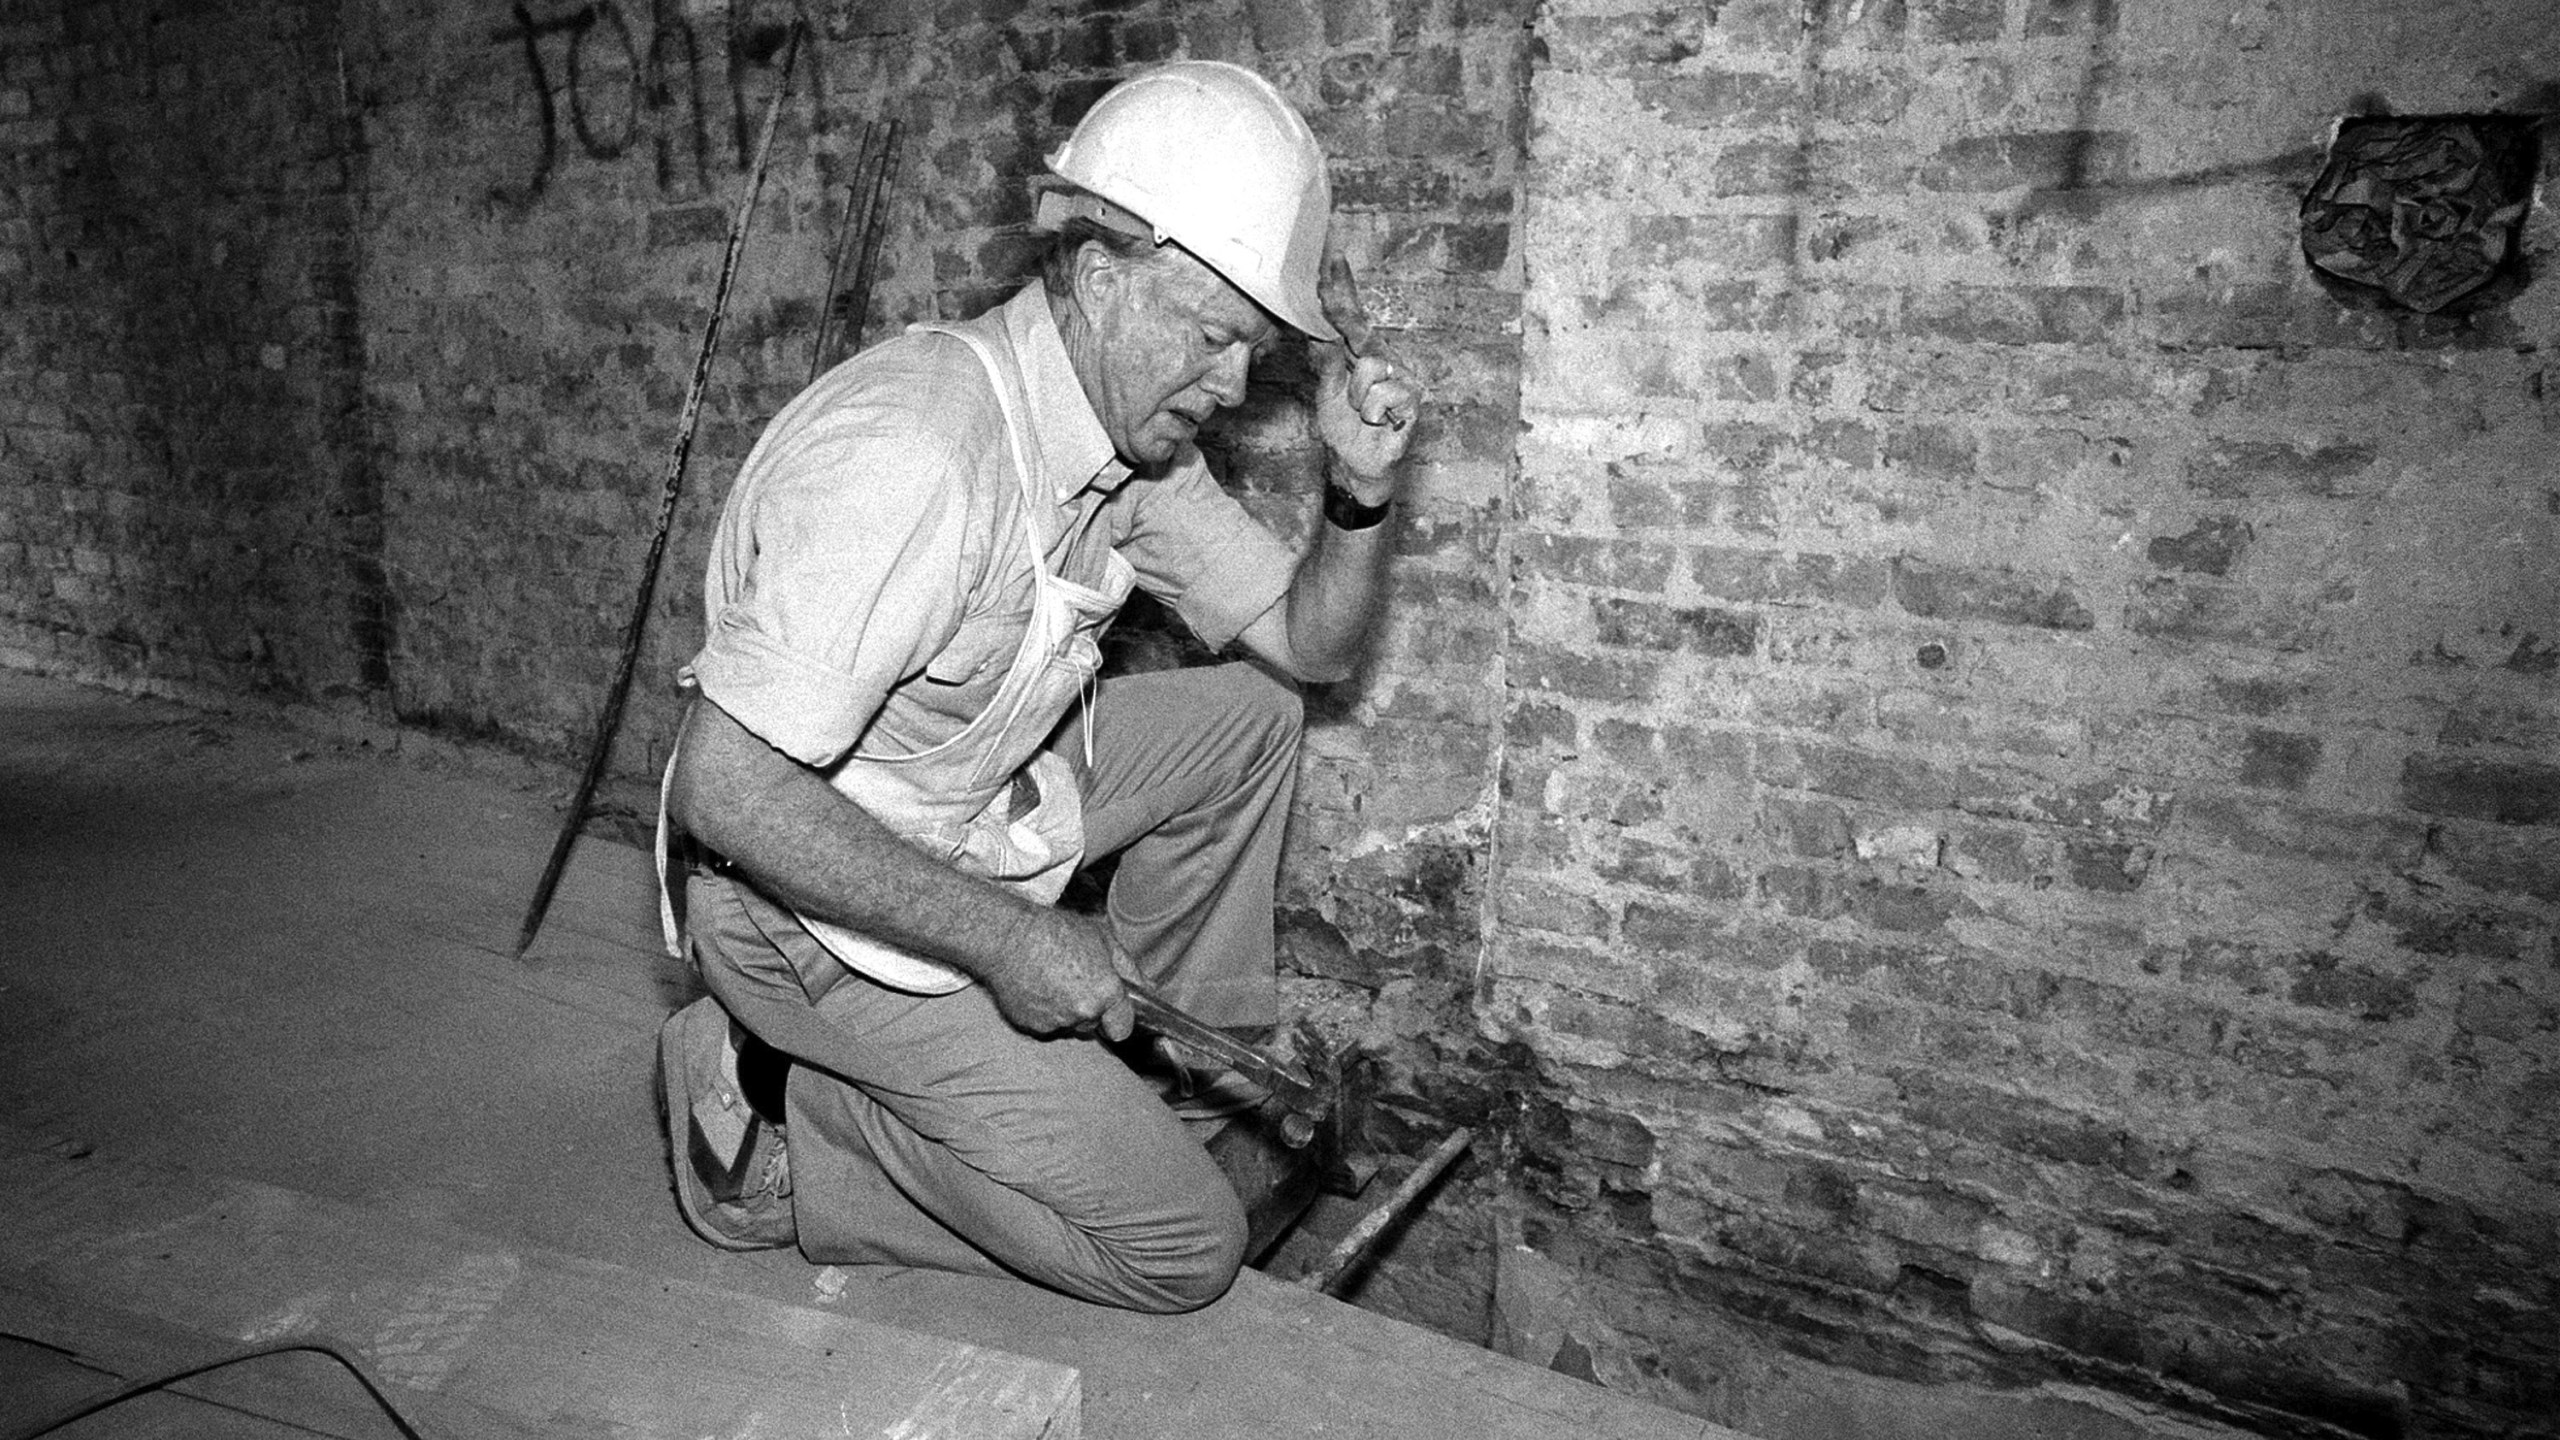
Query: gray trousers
[(926, 1131)]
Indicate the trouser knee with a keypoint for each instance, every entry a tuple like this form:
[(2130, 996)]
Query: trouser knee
[(1267, 707), (1172, 1278)]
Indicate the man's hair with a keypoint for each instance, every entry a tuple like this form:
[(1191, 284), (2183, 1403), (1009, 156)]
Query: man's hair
[(1057, 265)]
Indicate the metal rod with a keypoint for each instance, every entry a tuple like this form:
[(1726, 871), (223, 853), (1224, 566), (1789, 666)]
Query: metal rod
[(1365, 1234), (873, 217), (846, 228), (686, 420)]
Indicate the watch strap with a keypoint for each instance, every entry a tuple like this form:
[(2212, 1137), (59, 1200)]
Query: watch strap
[(1344, 511)]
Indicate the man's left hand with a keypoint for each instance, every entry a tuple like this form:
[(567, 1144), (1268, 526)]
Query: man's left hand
[(1366, 400)]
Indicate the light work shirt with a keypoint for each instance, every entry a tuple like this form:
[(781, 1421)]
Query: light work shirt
[(869, 585)]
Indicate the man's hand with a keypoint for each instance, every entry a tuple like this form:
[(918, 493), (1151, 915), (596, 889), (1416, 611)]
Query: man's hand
[(1064, 981), (1365, 400)]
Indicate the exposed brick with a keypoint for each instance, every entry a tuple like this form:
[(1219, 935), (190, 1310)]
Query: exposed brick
[(2240, 469), (1723, 242), (2279, 760), (1959, 21), (2078, 389), (1906, 909), (1936, 592), (2070, 17), (1537, 723), (1864, 97), (2103, 804), (1392, 184), (1745, 379), (1875, 24), (1673, 871), (2012, 316), (1556, 912), (2204, 611), (2023, 1123), (1817, 830), (1762, 167), (2108, 865), (1618, 564), (1640, 42), (2211, 547), (1717, 98), (1853, 773), (2266, 316), (2259, 824), (1757, 22), (2259, 695), (1755, 575), (2502, 862), (1697, 630), (1934, 452), (1589, 677), (2468, 788), (2328, 984), (1671, 929), (2044, 160)]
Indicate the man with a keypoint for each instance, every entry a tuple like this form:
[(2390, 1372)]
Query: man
[(899, 751)]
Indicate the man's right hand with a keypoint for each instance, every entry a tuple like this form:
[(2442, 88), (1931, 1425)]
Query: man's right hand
[(1063, 981)]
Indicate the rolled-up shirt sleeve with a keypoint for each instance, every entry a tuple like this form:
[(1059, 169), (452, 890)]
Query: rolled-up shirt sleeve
[(1203, 554), (840, 576)]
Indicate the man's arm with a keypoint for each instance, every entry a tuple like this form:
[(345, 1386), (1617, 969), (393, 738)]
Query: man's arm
[(818, 852), (1365, 408)]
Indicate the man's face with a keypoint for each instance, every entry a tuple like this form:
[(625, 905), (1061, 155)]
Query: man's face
[(1171, 343)]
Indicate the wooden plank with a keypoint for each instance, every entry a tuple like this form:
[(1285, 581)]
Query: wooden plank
[(1358, 1372), (1273, 1361), (272, 1397), (542, 1343)]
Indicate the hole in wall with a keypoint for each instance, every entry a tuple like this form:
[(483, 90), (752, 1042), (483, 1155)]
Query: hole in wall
[(2424, 213)]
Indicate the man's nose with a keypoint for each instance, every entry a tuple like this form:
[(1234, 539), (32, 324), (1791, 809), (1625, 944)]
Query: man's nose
[(1225, 378)]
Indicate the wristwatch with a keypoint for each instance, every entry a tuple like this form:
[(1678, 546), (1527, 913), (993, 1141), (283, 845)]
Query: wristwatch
[(1343, 510)]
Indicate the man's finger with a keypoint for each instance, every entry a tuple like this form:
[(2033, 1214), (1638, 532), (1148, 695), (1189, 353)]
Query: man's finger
[(1382, 396), (1119, 1020), (1339, 293), (1123, 963)]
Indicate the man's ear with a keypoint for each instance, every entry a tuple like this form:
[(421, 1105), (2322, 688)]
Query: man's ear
[(1096, 277)]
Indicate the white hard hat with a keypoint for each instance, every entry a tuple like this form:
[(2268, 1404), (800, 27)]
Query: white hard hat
[(1210, 156)]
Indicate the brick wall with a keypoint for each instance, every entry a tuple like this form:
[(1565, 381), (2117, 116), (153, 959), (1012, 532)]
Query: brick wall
[(184, 493), (2027, 845)]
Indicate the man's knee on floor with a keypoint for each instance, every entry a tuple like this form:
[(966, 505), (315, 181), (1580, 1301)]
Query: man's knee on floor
[(1191, 1270)]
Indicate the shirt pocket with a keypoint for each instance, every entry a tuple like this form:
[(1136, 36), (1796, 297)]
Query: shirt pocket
[(964, 675)]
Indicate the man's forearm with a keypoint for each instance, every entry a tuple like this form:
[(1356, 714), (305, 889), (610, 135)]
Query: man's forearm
[(829, 859), (1335, 597)]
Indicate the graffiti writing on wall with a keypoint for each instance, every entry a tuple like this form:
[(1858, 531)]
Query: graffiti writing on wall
[(622, 83)]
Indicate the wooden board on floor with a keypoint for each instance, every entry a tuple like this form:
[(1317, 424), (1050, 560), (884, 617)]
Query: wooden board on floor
[(144, 1268)]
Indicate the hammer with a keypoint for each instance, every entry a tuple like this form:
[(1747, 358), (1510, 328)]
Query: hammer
[(1295, 1097)]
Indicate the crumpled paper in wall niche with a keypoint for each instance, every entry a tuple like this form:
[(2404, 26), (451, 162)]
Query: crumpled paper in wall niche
[(2424, 210)]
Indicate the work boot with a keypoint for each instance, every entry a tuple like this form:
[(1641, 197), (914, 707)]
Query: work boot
[(732, 1168)]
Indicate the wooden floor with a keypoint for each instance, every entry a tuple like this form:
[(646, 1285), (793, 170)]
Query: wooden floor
[(269, 1069)]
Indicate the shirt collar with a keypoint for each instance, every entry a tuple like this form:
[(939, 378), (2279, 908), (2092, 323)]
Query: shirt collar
[(1074, 450)]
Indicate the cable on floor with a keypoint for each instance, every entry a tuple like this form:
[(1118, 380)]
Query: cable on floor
[(138, 1388)]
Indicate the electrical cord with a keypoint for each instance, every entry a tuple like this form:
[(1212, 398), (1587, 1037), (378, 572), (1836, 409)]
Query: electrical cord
[(138, 1388)]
